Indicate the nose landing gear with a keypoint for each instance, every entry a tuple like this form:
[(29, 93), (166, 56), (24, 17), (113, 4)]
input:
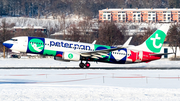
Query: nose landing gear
[(86, 65)]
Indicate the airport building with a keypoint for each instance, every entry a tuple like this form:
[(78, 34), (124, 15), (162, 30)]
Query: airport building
[(140, 15)]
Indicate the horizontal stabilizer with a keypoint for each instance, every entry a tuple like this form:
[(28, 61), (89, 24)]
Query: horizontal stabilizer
[(160, 54)]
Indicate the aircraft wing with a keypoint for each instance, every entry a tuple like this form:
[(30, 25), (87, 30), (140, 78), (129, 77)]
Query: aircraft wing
[(99, 53)]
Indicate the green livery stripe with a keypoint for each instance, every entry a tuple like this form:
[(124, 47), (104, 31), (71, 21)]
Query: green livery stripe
[(49, 52)]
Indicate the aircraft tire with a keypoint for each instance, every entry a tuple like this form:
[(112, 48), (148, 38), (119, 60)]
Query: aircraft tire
[(81, 65), (87, 65)]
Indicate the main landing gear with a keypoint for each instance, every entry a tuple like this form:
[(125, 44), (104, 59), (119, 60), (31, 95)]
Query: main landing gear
[(86, 65)]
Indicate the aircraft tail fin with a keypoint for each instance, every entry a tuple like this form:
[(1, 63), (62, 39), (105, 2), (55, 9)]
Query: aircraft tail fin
[(155, 42)]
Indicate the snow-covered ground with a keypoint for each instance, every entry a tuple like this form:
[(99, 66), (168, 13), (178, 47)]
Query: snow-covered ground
[(87, 84)]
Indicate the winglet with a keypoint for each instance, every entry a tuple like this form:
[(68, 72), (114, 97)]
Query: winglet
[(94, 42), (126, 44)]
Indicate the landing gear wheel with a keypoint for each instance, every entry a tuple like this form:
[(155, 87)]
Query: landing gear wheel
[(81, 65), (87, 65)]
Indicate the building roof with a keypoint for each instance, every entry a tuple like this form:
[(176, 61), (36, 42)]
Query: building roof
[(141, 9)]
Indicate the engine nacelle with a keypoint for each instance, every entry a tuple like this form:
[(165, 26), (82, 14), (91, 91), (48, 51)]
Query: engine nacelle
[(71, 56)]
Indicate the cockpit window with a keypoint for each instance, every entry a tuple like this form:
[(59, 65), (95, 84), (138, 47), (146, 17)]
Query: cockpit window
[(14, 39)]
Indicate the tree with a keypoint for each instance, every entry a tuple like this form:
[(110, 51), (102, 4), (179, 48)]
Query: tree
[(140, 38), (148, 33), (136, 39), (110, 34), (5, 33), (85, 28), (73, 34), (174, 3), (173, 37)]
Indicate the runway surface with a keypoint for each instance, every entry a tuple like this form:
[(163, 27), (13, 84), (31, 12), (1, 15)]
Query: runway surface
[(144, 78), (50, 80), (53, 64)]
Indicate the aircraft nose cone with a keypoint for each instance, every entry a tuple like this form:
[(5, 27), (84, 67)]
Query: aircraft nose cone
[(8, 45)]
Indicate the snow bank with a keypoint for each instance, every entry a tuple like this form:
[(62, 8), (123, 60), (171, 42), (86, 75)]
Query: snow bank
[(84, 93), (89, 85)]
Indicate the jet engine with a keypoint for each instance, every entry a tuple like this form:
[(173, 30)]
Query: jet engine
[(68, 56)]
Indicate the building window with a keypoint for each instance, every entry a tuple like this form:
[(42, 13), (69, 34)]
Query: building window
[(109, 17), (104, 17)]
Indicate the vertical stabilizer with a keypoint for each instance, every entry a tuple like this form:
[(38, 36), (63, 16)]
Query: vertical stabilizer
[(155, 42)]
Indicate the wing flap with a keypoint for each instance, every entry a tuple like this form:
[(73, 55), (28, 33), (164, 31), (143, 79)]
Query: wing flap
[(100, 52)]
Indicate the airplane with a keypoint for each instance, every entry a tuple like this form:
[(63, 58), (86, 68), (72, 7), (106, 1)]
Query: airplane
[(64, 50)]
